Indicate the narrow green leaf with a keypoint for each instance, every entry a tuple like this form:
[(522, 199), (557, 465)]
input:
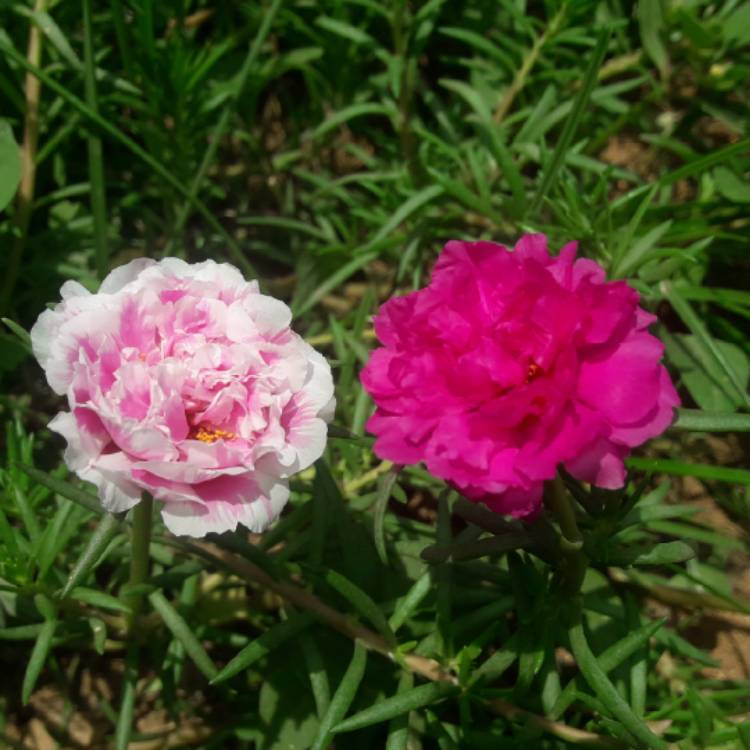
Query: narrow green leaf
[(479, 617), (678, 645), (263, 645), (98, 599), (699, 533), (411, 600), (124, 725), (133, 147), (10, 166), (21, 632), (61, 487), (182, 632), (598, 681), (283, 222), (27, 513), (572, 122), (53, 535), (665, 553), (398, 730), (743, 732), (344, 30), (405, 210), (703, 164), (334, 280), (21, 333), (316, 671), (702, 373), (643, 513), (96, 159), (37, 659), (410, 700), (508, 169), (704, 421), (361, 601), (625, 236), (349, 113), (343, 696), (680, 468), (385, 486), (731, 186), (494, 667), (442, 575), (327, 500), (471, 96), (221, 125), (639, 660), (651, 23), (637, 254), (496, 545), (54, 34)]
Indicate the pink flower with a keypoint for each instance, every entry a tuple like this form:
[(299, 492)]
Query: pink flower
[(184, 381), (511, 363)]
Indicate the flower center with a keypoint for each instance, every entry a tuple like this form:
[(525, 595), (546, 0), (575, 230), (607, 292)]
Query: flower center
[(210, 434), (533, 372)]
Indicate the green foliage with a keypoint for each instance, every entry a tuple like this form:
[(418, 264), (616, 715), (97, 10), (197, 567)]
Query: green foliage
[(10, 165), (331, 149)]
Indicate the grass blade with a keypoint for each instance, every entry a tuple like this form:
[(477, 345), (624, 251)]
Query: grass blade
[(413, 204), (361, 601), (135, 149), (124, 726), (636, 255), (263, 645), (705, 421), (664, 553), (21, 333), (38, 657), (598, 681), (336, 279), (182, 632), (639, 660), (409, 603), (221, 125), (572, 122), (87, 499), (343, 696), (684, 309), (385, 485), (682, 469), (96, 163), (398, 730), (316, 671), (702, 165), (401, 703), (99, 599)]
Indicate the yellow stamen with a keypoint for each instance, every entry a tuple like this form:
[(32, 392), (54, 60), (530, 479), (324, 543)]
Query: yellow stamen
[(211, 434)]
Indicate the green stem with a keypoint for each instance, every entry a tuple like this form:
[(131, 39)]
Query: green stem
[(141, 542), (574, 561)]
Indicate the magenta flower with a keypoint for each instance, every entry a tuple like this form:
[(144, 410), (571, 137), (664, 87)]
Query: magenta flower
[(512, 363), (184, 381)]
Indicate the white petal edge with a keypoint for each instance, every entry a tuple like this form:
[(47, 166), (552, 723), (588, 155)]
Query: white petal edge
[(192, 519)]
